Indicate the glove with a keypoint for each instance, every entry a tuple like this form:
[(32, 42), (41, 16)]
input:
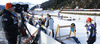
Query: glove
[(44, 27), (86, 25), (87, 32)]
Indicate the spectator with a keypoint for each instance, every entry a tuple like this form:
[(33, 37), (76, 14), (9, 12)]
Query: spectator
[(47, 16), (58, 15), (10, 23), (49, 24), (30, 21)]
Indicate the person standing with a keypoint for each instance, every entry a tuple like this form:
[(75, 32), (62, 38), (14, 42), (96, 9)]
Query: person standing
[(58, 15), (31, 22), (62, 17), (47, 16), (49, 24), (90, 31), (10, 23)]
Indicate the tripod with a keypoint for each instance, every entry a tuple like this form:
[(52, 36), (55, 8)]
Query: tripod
[(22, 25)]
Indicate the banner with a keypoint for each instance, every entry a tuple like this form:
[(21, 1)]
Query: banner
[(31, 28), (45, 39), (49, 31)]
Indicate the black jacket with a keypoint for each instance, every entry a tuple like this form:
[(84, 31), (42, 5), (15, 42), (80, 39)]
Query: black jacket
[(31, 22), (9, 22), (92, 37)]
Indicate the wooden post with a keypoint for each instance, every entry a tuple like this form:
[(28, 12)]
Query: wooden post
[(59, 35), (74, 32), (70, 31), (56, 31)]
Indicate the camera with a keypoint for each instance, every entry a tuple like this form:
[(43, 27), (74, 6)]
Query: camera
[(19, 8)]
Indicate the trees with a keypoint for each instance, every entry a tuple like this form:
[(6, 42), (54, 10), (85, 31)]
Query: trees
[(89, 4)]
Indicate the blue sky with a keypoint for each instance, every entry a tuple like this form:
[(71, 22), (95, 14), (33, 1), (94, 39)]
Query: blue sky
[(3, 2)]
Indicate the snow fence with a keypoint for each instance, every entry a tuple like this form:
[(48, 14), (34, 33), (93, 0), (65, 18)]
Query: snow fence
[(44, 38)]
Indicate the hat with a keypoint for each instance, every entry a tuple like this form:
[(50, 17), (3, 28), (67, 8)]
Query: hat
[(8, 5), (89, 19)]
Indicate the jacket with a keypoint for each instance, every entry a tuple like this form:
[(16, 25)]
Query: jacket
[(9, 23), (92, 34), (49, 23), (91, 28)]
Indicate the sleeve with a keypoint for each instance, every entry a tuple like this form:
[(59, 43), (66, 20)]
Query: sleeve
[(2, 12), (47, 23), (7, 23), (53, 20)]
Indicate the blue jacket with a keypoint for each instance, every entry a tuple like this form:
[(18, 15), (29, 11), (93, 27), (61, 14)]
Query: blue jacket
[(91, 28)]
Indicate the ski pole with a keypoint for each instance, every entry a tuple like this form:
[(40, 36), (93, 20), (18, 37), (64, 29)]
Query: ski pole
[(95, 24), (95, 21)]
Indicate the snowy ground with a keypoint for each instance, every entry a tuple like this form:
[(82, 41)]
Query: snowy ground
[(80, 29), (2, 38)]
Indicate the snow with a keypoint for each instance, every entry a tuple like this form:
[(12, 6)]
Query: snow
[(80, 26), (2, 38), (48, 39), (80, 29)]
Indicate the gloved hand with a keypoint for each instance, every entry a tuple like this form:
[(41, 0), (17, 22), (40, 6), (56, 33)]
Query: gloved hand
[(86, 25), (87, 32), (44, 27)]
